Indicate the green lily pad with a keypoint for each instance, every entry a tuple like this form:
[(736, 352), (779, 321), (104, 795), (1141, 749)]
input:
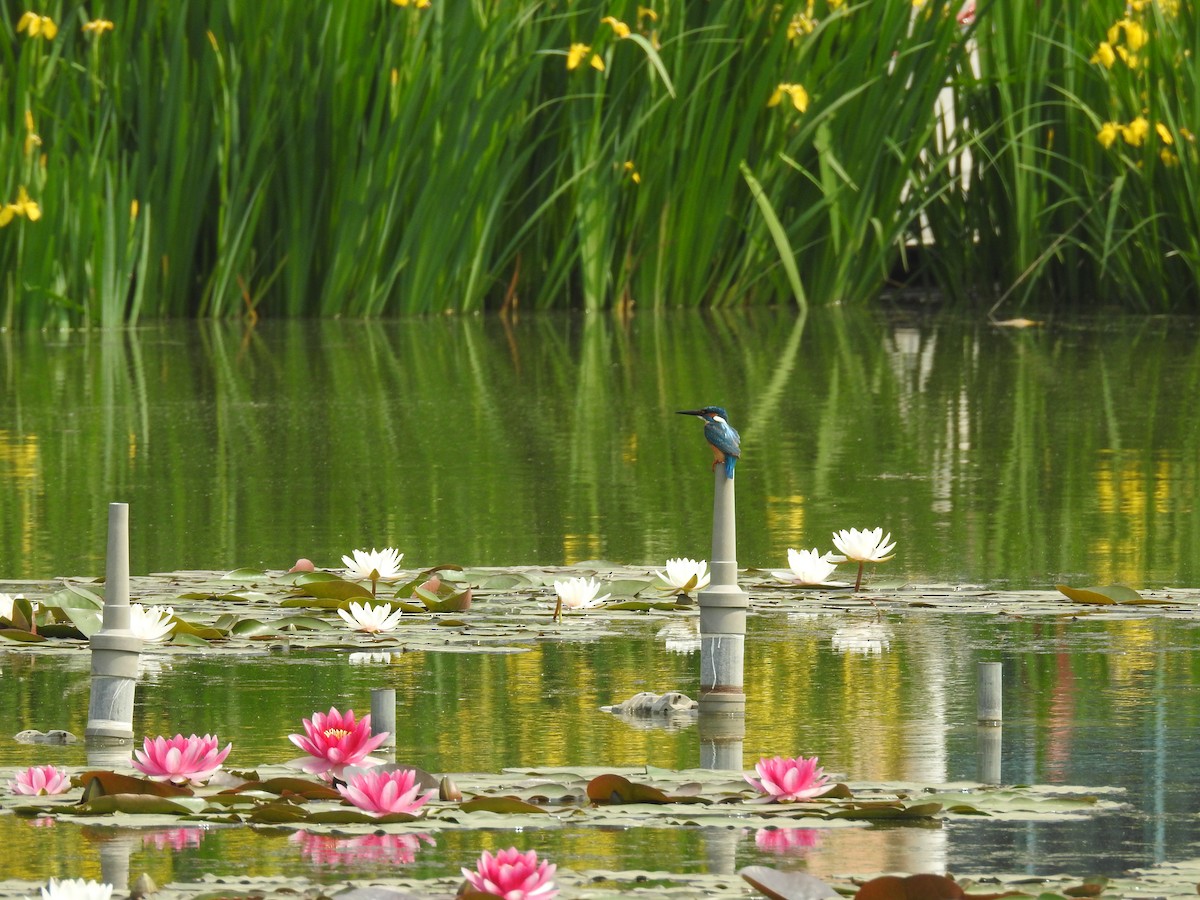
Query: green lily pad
[(1107, 595), (339, 590), (74, 597), (21, 635), (97, 783), (244, 574), (506, 804)]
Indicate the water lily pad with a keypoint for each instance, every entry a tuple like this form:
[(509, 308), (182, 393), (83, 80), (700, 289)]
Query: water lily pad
[(244, 574), (1108, 595), (886, 810), (612, 788), (21, 635), (912, 887), (507, 804), (138, 804), (356, 817), (456, 601), (73, 597), (339, 590), (786, 885), (97, 783), (286, 786)]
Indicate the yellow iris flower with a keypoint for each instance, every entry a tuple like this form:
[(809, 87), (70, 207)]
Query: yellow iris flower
[(23, 207), (1105, 55), (578, 53), (1136, 131), (97, 26), (797, 93), (37, 26), (1107, 135), (419, 4), (620, 29)]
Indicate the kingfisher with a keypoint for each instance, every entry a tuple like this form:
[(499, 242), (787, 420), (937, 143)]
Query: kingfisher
[(726, 443)]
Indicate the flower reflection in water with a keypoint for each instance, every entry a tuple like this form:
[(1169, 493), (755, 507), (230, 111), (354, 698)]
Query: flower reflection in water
[(786, 840), (173, 838), (369, 659), (867, 639), (332, 850), (680, 635)]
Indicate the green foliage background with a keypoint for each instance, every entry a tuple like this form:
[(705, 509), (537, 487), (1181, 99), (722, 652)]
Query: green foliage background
[(368, 158)]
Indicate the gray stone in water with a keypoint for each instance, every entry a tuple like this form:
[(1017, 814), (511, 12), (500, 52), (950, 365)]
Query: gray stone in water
[(648, 703), (54, 736)]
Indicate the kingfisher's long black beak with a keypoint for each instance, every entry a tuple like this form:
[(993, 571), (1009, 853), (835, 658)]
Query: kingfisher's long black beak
[(689, 412)]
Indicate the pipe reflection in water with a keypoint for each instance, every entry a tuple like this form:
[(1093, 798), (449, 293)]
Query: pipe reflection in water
[(988, 746)]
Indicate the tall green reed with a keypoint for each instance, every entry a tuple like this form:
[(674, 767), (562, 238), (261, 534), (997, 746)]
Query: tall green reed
[(370, 159)]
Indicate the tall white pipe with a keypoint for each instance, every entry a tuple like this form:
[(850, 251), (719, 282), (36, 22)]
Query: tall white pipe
[(115, 650)]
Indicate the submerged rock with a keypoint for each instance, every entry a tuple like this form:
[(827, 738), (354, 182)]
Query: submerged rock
[(648, 703), (54, 736)]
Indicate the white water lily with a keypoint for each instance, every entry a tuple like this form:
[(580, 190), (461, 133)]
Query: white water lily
[(684, 575), (6, 605), (579, 593), (76, 889), (371, 619), (376, 565), (809, 567), (153, 624), (864, 546)]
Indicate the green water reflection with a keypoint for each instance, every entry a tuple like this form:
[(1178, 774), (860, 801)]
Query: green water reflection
[(995, 456)]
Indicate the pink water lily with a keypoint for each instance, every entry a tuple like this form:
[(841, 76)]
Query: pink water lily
[(333, 741), (181, 760), (513, 875), (382, 793), (784, 778), (37, 780)]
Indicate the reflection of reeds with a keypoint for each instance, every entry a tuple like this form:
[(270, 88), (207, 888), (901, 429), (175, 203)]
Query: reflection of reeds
[(990, 456)]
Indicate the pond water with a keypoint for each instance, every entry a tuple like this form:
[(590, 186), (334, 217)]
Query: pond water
[(1003, 458), (1101, 704), (995, 456)]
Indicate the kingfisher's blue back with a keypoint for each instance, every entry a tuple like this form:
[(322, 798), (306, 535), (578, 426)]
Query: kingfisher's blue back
[(724, 437), (726, 443)]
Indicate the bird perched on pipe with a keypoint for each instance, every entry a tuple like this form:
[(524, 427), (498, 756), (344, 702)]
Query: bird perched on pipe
[(726, 443)]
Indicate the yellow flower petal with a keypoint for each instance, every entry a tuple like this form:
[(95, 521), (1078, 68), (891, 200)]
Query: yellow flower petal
[(1135, 35), (1164, 133), (620, 29), (776, 97), (27, 21), (799, 97), (1135, 132), (1104, 55), (597, 63), (576, 54), (1107, 135), (7, 211)]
